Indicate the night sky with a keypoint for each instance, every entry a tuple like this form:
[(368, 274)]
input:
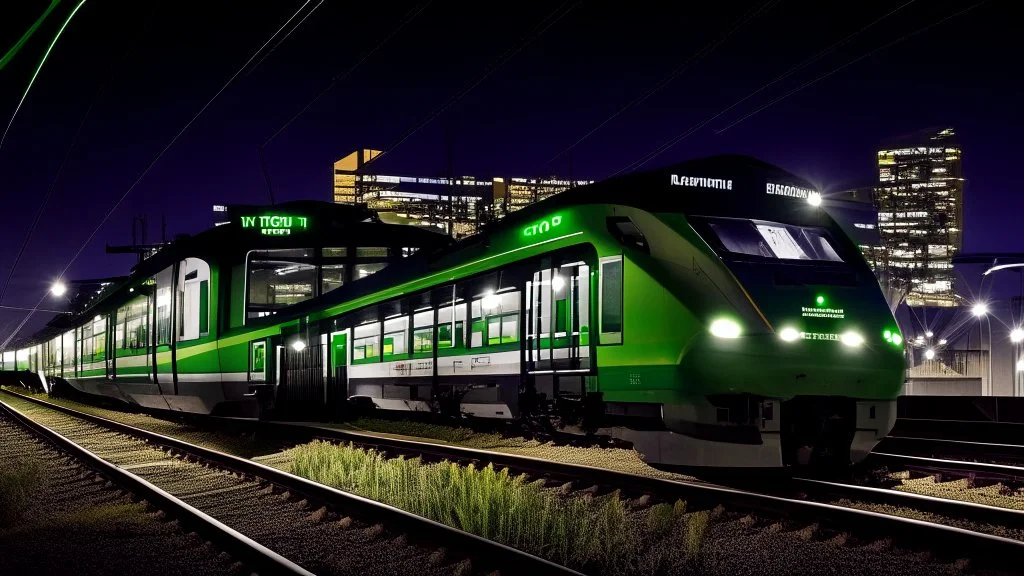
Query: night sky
[(136, 72)]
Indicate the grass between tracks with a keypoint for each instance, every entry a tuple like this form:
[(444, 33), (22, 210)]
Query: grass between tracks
[(16, 486), (604, 533)]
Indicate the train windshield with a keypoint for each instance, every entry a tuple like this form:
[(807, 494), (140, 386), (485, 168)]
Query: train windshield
[(773, 240)]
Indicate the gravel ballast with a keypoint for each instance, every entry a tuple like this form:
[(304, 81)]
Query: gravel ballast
[(71, 522), (313, 538)]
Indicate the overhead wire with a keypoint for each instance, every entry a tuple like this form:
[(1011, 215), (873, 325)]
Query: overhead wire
[(410, 16), (850, 63), (803, 64), (671, 76), (150, 166), (283, 38), (35, 74), (74, 142), (550, 20)]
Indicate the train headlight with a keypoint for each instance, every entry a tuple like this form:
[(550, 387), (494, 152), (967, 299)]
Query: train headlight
[(725, 328), (896, 340), (814, 199), (789, 334), (851, 338)]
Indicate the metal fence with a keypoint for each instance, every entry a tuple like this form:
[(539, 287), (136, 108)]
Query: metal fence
[(949, 364)]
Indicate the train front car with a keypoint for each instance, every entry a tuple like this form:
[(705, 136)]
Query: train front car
[(754, 331)]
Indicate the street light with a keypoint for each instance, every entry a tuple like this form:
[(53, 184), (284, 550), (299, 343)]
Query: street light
[(929, 334), (929, 354), (980, 310), (1017, 335), (58, 289)]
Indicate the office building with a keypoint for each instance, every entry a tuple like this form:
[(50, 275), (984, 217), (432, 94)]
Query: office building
[(456, 205), (919, 198)]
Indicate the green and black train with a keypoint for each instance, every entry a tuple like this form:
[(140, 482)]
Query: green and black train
[(711, 312)]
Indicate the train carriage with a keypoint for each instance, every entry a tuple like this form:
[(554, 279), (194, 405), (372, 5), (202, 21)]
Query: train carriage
[(711, 312)]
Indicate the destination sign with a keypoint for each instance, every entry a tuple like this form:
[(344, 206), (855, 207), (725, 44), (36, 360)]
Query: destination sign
[(701, 182), (276, 224), (787, 190), (822, 312), (542, 227)]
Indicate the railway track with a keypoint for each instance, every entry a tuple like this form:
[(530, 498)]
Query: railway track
[(802, 500), (277, 522)]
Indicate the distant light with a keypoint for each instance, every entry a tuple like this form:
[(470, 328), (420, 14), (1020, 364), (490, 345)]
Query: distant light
[(942, 342), (919, 340), (491, 301), (851, 338), (1016, 335), (725, 328), (298, 345), (131, 289), (979, 309), (814, 199), (557, 283), (929, 334), (819, 300), (59, 288), (897, 339), (789, 334), (929, 354)]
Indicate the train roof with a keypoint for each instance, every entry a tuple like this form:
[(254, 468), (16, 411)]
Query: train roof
[(729, 185)]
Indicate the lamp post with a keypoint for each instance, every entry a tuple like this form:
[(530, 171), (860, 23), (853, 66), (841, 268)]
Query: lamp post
[(980, 310)]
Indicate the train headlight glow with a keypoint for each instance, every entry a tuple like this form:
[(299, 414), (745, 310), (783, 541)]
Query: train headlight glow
[(725, 328), (814, 199), (789, 334), (851, 338), (298, 345), (896, 339)]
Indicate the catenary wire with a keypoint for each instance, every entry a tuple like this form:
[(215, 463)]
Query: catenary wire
[(672, 75), (149, 167), (412, 14), (851, 62), (36, 73), (550, 20), (810, 60), (74, 143)]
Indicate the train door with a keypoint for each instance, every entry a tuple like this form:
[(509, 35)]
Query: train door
[(557, 354), (337, 389)]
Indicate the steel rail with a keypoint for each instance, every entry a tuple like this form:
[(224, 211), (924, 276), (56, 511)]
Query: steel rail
[(253, 553), (992, 550), (981, 513), (986, 469), (486, 552)]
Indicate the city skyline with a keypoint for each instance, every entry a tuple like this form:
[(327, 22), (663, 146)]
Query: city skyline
[(826, 132)]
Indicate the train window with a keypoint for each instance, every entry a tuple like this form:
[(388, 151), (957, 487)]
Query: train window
[(627, 233), (423, 332), (396, 336), (279, 278), (364, 270), (193, 299), (773, 240), (163, 307), (371, 252), (333, 277), (610, 295), (366, 343)]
